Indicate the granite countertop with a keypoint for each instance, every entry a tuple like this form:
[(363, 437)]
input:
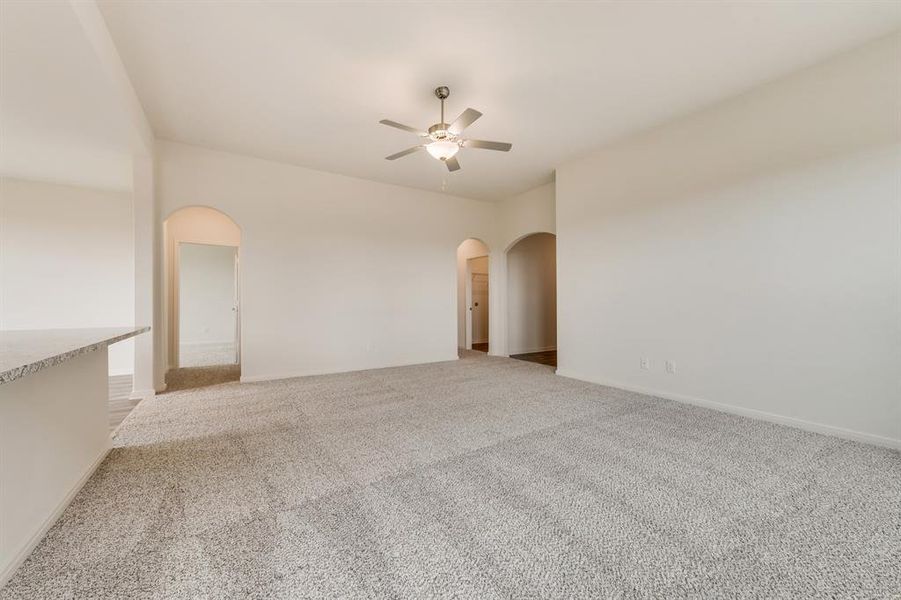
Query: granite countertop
[(28, 351)]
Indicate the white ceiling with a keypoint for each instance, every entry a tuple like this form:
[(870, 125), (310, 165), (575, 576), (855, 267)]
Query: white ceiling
[(307, 83), (59, 120)]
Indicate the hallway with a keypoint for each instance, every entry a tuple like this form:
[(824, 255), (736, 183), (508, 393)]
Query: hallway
[(548, 357)]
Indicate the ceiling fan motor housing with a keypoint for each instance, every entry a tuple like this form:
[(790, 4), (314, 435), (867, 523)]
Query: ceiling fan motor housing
[(439, 131), (442, 92)]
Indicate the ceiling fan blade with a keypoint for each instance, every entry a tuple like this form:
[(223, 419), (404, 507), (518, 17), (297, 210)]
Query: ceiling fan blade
[(403, 153), (397, 125), (466, 119), (452, 164), (500, 146)]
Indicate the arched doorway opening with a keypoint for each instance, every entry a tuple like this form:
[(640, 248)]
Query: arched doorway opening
[(202, 290), (472, 295), (532, 298)]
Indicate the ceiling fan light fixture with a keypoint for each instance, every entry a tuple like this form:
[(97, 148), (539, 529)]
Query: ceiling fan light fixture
[(443, 150), (442, 140)]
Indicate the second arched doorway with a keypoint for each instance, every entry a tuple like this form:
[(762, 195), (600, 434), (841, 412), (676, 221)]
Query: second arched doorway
[(202, 289), (532, 298)]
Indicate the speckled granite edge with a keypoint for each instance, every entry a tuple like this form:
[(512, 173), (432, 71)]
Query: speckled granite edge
[(17, 372)]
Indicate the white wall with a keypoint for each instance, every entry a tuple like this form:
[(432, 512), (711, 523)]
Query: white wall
[(532, 294), (479, 265), (468, 249), (337, 273), (66, 260), (206, 292), (531, 212), (200, 225), (757, 245)]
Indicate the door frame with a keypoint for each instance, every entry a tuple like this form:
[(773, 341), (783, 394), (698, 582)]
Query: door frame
[(175, 316), (468, 299)]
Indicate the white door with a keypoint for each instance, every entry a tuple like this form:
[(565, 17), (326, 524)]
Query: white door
[(479, 308), (236, 308), (207, 311)]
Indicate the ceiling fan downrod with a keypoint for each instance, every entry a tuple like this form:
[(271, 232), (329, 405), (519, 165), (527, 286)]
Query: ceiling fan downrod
[(442, 92)]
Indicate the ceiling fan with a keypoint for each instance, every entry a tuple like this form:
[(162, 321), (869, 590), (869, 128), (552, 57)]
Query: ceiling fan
[(444, 140)]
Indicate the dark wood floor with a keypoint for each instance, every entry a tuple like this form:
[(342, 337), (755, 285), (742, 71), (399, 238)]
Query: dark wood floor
[(548, 357), (120, 401), (480, 347)]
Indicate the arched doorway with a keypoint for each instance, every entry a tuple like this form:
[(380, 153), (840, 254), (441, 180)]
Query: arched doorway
[(532, 298), (472, 296), (202, 290)]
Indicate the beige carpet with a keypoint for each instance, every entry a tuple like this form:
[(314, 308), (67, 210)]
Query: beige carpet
[(478, 478), (206, 354), (188, 378)]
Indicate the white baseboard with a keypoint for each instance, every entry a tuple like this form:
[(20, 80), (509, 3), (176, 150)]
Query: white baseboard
[(23, 553), (840, 432), (293, 374), (530, 350), (121, 373)]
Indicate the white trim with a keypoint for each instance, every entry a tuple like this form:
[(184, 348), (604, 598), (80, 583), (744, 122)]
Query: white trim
[(831, 430), (128, 372), (292, 375), (467, 295), (38, 535)]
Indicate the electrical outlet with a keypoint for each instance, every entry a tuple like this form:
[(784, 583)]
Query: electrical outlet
[(645, 363), (671, 367)]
